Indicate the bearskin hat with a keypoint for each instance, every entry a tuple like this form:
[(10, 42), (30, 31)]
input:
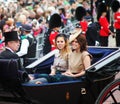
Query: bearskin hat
[(55, 21), (80, 13), (101, 8), (115, 5)]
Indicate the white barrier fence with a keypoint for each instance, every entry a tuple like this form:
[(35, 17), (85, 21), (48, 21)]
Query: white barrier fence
[(40, 43)]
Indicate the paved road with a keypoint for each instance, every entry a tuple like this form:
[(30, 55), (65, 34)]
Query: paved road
[(111, 42)]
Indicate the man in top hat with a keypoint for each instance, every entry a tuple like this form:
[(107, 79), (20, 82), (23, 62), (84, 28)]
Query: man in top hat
[(12, 43), (116, 10), (54, 27), (28, 44)]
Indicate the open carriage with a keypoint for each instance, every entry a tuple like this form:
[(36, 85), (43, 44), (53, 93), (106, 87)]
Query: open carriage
[(85, 91)]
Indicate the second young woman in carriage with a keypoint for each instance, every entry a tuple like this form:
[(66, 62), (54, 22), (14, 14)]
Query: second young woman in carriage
[(79, 59)]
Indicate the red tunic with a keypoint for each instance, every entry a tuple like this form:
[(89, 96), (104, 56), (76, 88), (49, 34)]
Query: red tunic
[(84, 26), (52, 36), (117, 20), (104, 31)]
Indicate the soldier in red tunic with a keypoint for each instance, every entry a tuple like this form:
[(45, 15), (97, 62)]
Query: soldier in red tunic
[(53, 30), (52, 36), (116, 10), (54, 26), (103, 21), (79, 14)]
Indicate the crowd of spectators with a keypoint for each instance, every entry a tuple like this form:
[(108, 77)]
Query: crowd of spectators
[(37, 13)]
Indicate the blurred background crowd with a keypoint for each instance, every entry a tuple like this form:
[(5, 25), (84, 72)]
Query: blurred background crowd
[(14, 13), (37, 13)]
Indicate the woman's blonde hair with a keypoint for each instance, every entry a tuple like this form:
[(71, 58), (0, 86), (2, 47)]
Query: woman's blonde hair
[(66, 50)]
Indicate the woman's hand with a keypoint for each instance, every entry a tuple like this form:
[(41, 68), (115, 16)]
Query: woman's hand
[(31, 77), (67, 73), (38, 82), (52, 73), (53, 70)]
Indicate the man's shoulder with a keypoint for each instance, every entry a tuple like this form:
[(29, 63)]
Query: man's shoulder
[(6, 54)]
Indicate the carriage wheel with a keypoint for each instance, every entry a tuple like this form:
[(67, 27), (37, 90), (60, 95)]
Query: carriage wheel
[(110, 94)]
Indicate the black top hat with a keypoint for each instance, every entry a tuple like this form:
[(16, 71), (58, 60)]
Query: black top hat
[(26, 27), (11, 36), (101, 8), (80, 13), (115, 5), (55, 21)]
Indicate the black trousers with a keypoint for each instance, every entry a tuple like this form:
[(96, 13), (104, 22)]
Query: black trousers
[(118, 37), (104, 40)]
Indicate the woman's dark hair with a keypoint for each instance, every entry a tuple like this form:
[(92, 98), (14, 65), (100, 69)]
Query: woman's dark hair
[(83, 42), (63, 11)]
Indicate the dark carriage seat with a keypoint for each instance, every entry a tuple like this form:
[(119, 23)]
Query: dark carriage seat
[(8, 71), (45, 66), (9, 80), (97, 53)]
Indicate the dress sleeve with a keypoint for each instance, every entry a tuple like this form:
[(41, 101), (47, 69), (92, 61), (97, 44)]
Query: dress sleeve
[(85, 53)]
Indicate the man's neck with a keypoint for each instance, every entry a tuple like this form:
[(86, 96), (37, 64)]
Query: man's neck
[(9, 49)]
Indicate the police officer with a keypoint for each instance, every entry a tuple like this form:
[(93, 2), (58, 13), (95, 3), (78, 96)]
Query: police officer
[(28, 44)]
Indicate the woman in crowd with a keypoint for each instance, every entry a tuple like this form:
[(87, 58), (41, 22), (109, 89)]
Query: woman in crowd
[(62, 13), (1, 41), (79, 59)]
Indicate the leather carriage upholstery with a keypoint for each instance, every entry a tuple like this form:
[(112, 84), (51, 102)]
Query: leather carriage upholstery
[(9, 75), (8, 69), (9, 80), (44, 66)]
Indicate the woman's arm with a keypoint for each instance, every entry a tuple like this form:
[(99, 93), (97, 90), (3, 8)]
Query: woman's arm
[(53, 71), (87, 61)]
